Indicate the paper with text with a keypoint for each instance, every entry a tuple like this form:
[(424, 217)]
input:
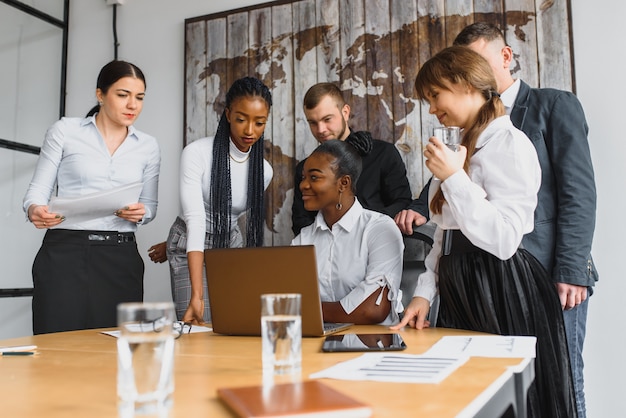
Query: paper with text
[(502, 346), (399, 368)]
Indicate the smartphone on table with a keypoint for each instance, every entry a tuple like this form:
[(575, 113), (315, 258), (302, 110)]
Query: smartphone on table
[(363, 342)]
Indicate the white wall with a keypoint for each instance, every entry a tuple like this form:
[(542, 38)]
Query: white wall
[(151, 35), (599, 62)]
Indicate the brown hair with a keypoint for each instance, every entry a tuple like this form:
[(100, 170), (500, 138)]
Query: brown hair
[(479, 30), (461, 65), (317, 92)]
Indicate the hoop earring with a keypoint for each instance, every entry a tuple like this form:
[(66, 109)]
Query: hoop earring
[(339, 206)]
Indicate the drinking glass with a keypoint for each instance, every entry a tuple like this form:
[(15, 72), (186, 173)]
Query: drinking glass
[(145, 358), (449, 135), (281, 333)]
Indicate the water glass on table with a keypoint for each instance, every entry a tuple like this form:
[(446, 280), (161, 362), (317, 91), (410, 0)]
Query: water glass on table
[(281, 333), (145, 358), (449, 136)]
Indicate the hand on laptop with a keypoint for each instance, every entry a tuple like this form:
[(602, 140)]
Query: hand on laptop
[(195, 312)]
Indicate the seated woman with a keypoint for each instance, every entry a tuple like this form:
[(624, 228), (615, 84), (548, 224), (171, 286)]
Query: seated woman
[(359, 251)]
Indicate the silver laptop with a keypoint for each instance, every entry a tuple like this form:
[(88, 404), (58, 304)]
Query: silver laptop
[(237, 277)]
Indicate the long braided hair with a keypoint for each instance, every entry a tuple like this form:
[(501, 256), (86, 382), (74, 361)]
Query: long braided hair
[(221, 193), (461, 65)]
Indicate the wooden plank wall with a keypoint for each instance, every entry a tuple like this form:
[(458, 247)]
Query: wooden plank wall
[(373, 50)]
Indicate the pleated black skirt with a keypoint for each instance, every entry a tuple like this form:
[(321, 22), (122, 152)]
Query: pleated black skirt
[(480, 292)]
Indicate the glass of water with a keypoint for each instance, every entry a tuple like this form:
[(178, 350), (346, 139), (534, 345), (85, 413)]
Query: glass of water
[(281, 333), (145, 359), (449, 136)]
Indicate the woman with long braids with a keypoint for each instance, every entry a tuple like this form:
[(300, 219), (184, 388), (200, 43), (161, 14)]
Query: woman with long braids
[(482, 199), (221, 178)]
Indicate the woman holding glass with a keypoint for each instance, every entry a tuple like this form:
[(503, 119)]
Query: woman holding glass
[(482, 199)]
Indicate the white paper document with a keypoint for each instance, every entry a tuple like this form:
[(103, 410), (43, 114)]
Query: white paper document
[(485, 346), (94, 205), (194, 329), (399, 368)]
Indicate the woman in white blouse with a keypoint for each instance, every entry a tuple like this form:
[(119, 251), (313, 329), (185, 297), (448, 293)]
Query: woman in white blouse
[(86, 266), (482, 199), (358, 251), (222, 177)]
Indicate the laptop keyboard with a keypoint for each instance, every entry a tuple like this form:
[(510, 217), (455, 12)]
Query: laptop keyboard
[(331, 326)]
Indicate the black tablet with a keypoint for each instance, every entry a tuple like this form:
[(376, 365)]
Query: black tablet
[(363, 342)]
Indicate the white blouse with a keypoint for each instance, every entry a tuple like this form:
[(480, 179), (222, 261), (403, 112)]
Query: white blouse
[(361, 254), (195, 186), (494, 205), (75, 160)]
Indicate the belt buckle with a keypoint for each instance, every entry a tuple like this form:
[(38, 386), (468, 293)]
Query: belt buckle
[(96, 237)]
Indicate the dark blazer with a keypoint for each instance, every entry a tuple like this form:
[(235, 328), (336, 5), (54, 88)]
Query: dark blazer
[(566, 208), (382, 186)]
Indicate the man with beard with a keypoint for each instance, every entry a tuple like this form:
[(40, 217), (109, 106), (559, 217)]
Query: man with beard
[(382, 186)]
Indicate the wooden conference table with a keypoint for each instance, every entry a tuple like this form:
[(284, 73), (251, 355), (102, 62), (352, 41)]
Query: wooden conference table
[(74, 375)]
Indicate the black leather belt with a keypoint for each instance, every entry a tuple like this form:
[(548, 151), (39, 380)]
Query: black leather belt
[(454, 242), (119, 237)]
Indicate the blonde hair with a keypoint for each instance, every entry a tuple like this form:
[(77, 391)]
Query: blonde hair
[(460, 65)]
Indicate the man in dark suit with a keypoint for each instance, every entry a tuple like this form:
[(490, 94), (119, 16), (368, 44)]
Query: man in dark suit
[(566, 206), (382, 185)]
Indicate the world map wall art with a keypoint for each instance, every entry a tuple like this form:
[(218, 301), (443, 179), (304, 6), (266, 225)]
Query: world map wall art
[(373, 50)]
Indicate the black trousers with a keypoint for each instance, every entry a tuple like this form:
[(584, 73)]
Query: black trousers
[(80, 277)]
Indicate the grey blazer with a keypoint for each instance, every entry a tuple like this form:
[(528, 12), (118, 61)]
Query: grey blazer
[(566, 209)]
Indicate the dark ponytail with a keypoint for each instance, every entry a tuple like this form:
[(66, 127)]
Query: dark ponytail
[(111, 73)]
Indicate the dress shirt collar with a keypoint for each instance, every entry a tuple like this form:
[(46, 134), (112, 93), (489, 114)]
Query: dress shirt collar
[(92, 120), (347, 221), (509, 95)]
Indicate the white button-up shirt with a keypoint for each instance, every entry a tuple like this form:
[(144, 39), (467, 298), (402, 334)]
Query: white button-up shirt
[(360, 255), (494, 204)]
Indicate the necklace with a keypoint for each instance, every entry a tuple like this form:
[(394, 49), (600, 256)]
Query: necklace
[(239, 161)]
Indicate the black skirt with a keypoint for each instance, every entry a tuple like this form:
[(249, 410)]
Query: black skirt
[(79, 277), (480, 292)]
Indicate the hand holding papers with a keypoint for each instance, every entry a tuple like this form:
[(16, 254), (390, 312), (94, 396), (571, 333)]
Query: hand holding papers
[(95, 205)]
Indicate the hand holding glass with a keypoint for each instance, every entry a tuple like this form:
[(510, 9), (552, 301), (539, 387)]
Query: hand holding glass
[(449, 136), (145, 354), (281, 333)]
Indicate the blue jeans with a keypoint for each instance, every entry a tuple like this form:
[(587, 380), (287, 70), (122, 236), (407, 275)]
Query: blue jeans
[(575, 329)]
